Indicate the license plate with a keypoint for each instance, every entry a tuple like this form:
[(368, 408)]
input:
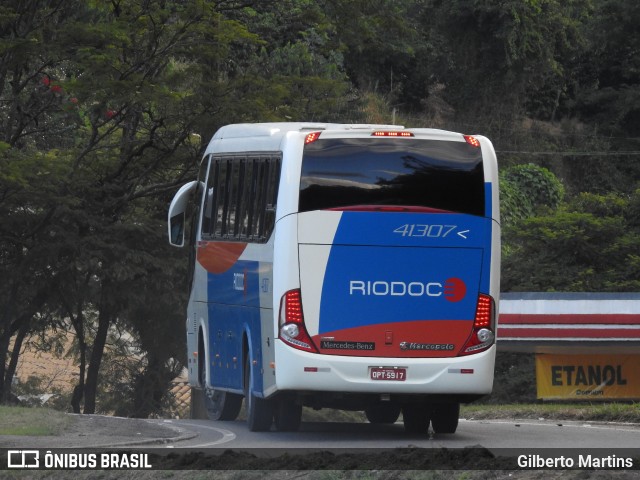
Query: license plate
[(388, 373)]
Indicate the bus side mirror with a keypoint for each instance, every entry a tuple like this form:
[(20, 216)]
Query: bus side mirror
[(177, 214), (176, 230)]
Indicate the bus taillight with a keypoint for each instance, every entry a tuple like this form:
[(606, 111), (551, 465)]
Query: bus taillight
[(385, 133), (291, 322), (471, 140), (311, 137), (482, 336)]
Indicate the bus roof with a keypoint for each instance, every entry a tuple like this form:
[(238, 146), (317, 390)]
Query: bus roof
[(240, 130), (268, 136)]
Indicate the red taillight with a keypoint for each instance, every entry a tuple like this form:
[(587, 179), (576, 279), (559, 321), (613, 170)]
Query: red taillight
[(293, 307), (292, 330), (473, 141), (483, 312), (380, 133), (482, 336), (311, 137)]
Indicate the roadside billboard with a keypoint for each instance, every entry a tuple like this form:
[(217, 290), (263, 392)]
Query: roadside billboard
[(588, 377)]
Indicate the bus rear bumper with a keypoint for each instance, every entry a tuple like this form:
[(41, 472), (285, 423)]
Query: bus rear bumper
[(302, 371)]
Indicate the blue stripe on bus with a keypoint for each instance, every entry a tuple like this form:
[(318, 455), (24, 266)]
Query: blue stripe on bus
[(233, 309), (239, 285)]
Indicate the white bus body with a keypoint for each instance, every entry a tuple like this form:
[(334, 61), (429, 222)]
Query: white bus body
[(343, 266)]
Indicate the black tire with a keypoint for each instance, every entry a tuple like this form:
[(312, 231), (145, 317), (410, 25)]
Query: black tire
[(445, 417), (218, 405), (223, 406), (416, 417), (383, 413), (197, 410), (259, 411), (287, 414)]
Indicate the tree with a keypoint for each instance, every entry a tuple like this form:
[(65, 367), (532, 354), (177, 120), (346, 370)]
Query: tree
[(296, 73), (34, 123), (379, 41), (499, 57), (588, 245), (610, 87), (527, 189)]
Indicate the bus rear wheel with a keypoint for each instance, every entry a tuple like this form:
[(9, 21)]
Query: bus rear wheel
[(259, 410), (416, 417), (287, 414), (445, 416)]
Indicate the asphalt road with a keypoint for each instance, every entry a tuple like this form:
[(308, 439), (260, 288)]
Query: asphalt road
[(490, 434)]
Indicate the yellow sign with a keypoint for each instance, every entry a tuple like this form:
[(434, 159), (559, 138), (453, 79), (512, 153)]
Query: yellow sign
[(588, 377)]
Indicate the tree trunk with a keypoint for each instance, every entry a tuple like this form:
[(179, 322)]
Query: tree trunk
[(78, 391), (15, 354), (150, 388), (91, 385), (78, 322), (5, 340), (12, 323)]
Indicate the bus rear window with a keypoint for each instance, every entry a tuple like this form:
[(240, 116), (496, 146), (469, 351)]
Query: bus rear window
[(340, 173)]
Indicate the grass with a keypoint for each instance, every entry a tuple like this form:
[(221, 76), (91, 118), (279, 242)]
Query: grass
[(602, 412), (32, 421), (592, 412)]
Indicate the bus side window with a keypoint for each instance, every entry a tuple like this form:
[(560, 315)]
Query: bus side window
[(240, 198), (207, 207), (222, 197), (271, 196), (231, 214), (208, 210), (260, 200), (252, 191), (237, 215), (245, 200)]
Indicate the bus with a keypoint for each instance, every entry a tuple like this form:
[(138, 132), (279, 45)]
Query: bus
[(341, 266)]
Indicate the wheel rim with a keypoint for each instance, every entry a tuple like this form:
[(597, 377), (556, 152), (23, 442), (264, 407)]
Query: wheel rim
[(213, 399), (216, 401)]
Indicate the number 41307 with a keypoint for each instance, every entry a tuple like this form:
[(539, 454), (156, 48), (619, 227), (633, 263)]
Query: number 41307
[(419, 230)]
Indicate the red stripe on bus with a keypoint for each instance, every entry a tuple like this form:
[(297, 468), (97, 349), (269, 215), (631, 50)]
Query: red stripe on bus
[(218, 257), (423, 338)]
